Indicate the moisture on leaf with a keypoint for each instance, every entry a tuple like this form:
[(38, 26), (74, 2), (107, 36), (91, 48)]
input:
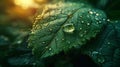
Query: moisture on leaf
[(63, 26)]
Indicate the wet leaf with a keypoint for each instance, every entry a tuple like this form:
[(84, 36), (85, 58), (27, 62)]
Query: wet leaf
[(64, 26)]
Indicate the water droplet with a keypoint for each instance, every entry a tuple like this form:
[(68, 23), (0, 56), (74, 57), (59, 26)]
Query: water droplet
[(88, 24), (46, 47), (20, 41), (104, 19), (108, 43), (33, 64), (97, 56), (80, 28), (57, 39), (50, 49), (90, 12), (80, 16), (97, 14), (43, 42), (95, 52), (63, 39), (68, 42), (52, 53), (97, 18), (101, 59), (97, 22), (85, 31), (82, 21), (50, 29), (100, 22), (108, 20), (32, 32), (81, 35), (68, 28), (46, 24)]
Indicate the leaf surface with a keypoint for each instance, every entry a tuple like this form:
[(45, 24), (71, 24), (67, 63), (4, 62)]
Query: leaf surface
[(63, 26)]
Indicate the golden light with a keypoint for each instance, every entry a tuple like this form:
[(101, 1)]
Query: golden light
[(26, 3)]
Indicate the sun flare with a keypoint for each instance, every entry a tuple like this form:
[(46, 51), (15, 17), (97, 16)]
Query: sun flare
[(26, 3)]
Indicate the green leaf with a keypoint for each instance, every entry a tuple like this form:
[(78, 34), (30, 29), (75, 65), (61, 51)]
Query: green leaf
[(64, 26)]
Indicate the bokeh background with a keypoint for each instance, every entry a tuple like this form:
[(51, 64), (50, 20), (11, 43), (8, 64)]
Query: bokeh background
[(16, 20)]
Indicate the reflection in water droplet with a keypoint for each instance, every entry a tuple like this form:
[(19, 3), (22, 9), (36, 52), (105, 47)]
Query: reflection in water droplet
[(68, 28)]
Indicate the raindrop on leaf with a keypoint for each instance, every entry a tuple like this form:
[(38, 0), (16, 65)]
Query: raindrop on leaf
[(68, 28)]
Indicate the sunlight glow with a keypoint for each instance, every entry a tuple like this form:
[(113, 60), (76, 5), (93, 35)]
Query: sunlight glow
[(26, 3)]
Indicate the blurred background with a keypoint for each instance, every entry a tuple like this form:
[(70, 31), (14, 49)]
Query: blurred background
[(16, 19)]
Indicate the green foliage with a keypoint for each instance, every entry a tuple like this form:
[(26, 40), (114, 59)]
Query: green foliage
[(64, 26)]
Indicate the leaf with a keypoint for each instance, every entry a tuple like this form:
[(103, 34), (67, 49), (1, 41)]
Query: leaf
[(105, 48), (63, 26)]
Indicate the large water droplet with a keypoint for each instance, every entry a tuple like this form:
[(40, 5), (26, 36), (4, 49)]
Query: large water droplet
[(68, 28)]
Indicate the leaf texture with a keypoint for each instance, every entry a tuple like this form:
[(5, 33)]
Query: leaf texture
[(63, 26)]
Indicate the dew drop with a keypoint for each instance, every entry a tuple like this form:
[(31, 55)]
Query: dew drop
[(80, 28), (100, 22), (68, 28), (82, 21), (90, 12), (68, 42), (19, 41), (57, 39), (88, 24), (80, 16), (108, 20), (63, 39), (101, 59), (104, 19), (52, 53), (97, 14), (46, 47), (81, 35), (33, 64), (32, 32), (50, 29), (108, 43), (43, 42), (85, 31), (50, 49)]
